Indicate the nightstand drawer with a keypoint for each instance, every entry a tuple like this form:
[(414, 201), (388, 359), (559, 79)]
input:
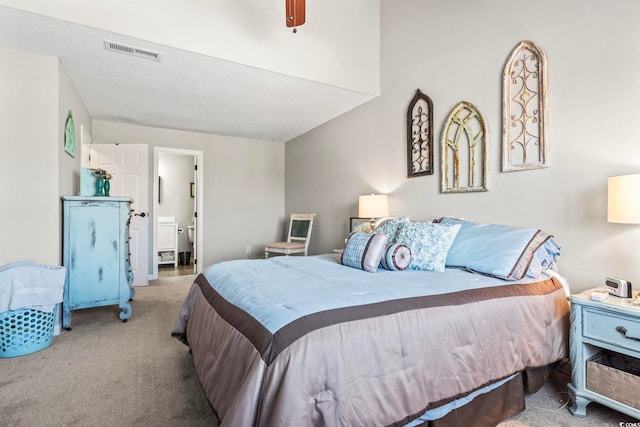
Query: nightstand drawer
[(612, 328)]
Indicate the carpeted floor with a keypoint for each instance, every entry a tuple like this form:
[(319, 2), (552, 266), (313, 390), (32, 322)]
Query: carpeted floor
[(105, 372), (546, 408)]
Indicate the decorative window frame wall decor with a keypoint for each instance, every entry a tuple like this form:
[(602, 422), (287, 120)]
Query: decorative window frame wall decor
[(70, 136), (464, 140), (524, 109), (420, 136)]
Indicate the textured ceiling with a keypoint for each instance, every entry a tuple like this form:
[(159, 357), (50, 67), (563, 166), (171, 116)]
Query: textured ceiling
[(184, 90)]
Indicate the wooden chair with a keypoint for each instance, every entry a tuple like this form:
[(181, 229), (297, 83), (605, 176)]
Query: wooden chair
[(300, 226)]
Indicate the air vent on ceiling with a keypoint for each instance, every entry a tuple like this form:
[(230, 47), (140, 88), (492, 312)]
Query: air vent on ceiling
[(130, 50)]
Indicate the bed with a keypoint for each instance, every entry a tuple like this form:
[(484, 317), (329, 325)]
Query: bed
[(310, 341)]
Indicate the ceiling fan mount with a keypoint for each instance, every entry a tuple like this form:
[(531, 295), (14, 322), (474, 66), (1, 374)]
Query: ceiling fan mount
[(295, 13)]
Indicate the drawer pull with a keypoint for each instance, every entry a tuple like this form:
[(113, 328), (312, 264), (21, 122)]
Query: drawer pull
[(623, 331)]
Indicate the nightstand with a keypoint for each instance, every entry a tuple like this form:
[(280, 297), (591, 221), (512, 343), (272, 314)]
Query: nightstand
[(605, 354)]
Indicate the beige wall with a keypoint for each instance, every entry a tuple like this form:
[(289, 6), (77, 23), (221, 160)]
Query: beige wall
[(454, 51), (243, 185), (35, 94)]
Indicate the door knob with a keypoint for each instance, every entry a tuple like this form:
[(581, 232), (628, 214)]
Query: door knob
[(142, 214)]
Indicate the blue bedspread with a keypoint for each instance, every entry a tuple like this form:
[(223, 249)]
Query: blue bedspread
[(283, 289)]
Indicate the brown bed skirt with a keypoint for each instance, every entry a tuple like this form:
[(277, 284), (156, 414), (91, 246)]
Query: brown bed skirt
[(488, 409)]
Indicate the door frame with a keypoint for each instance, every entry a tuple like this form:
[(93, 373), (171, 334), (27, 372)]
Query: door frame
[(199, 203)]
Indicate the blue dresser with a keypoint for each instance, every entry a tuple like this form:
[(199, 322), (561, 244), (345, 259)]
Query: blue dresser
[(96, 255)]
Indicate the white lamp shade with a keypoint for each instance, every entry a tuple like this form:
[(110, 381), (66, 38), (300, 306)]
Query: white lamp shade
[(373, 206), (623, 204)]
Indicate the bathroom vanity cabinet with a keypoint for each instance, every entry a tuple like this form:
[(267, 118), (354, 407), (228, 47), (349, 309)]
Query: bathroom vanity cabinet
[(96, 254), (167, 241)]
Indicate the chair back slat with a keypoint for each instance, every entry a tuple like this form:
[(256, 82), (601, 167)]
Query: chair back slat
[(299, 228)]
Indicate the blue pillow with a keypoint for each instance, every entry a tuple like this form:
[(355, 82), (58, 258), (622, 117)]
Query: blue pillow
[(429, 243), (543, 258), (390, 227), (501, 251), (364, 251), (396, 257)]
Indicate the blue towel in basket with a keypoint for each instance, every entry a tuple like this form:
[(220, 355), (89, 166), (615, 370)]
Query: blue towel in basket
[(25, 284)]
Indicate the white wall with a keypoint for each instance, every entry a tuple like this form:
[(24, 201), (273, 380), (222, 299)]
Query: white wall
[(243, 185), (30, 209), (68, 99), (338, 44), (454, 51), (35, 96)]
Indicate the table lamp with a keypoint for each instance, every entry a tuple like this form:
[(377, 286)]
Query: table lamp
[(373, 206), (623, 201)]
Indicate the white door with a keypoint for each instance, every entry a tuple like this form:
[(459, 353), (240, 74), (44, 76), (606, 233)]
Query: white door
[(195, 213), (129, 166)]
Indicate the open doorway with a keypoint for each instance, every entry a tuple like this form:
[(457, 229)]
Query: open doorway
[(177, 219)]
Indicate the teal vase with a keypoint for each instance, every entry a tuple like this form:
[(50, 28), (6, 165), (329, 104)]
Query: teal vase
[(99, 183), (107, 187)]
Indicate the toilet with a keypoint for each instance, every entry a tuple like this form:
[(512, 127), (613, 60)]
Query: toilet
[(190, 233)]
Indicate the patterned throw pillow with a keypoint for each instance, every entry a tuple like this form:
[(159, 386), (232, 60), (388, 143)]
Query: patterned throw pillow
[(396, 257), (429, 243), (390, 227), (364, 251)]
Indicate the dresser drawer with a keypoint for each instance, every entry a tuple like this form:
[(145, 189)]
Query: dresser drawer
[(612, 328)]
